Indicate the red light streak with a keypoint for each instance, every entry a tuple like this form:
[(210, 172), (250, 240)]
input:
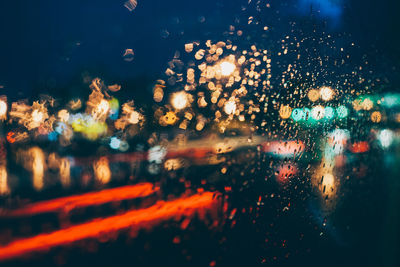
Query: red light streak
[(134, 220), (85, 200)]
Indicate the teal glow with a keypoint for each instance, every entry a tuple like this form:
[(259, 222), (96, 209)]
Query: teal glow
[(391, 100), (115, 143), (342, 112), (329, 113), (306, 114), (297, 114)]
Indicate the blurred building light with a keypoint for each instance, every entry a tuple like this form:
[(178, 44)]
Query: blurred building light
[(230, 107)]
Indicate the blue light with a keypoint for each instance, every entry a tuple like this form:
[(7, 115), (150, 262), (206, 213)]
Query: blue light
[(115, 143), (53, 136), (326, 8), (60, 127)]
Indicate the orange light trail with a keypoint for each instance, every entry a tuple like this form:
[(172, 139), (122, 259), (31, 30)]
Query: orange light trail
[(85, 200), (200, 204)]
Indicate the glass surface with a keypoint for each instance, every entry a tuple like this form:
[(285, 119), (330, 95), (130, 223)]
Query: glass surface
[(199, 133)]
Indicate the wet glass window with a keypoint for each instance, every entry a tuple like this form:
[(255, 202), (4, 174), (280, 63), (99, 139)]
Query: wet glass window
[(199, 133)]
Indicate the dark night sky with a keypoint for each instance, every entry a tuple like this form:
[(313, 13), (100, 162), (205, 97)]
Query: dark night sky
[(39, 45)]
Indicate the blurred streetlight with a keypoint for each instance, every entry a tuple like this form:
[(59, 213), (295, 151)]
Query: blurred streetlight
[(227, 68), (326, 93), (230, 107), (180, 100), (3, 109), (313, 95)]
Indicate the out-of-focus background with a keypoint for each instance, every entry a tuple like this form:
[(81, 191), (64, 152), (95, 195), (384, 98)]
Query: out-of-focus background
[(200, 133)]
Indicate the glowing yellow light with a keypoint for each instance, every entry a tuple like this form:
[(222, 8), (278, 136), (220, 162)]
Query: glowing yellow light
[(376, 116), (3, 108), (227, 68), (313, 95), (357, 104), (326, 93), (180, 100), (285, 111), (230, 107)]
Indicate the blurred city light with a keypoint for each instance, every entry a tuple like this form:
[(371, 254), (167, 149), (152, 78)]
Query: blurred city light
[(115, 142), (227, 68), (3, 109), (230, 107), (285, 111), (297, 114), (385, 138), (329, 113), (342, 112), (376, 117), (318, 112), (326, 93), (180, 100), (313, 95)]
